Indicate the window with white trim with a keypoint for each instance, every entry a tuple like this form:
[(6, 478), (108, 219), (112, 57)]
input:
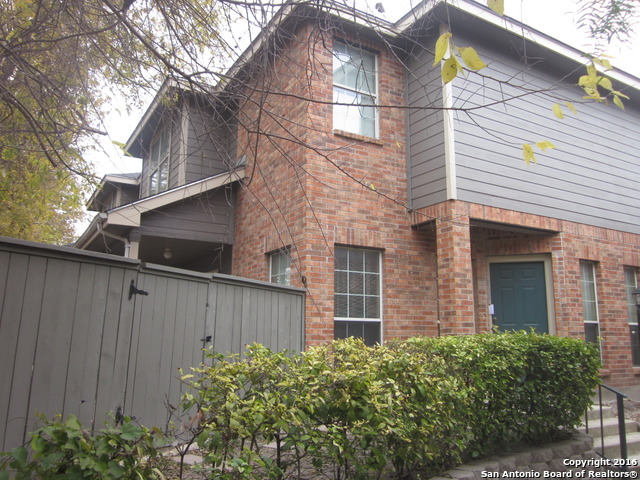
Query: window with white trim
[(357, 294), (280, 267), (590, 301), (159, 163), (631, 283), (355, 90)]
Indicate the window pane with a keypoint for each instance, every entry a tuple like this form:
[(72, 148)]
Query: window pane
[(356, 307), (372, 307), (635, 344), (340, 283), (630, 284), (356, 261), (591, 332), (372, 284), (368, 331), (371, 333), (371, 261), (589, 300), (356, 283), (281, 267), (340, 330), (153, 183), (358, 115), (341, 255), (341, 306), (163, 181)]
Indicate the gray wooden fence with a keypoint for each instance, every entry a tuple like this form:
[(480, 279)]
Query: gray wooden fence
[(74, 341)]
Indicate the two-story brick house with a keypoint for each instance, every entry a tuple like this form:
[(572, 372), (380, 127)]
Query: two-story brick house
[(402, 204)]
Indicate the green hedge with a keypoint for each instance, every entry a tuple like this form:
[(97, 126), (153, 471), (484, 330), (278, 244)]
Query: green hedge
[(408, 409), (420, 405)]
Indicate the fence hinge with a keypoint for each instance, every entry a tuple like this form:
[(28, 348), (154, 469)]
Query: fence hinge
[(135, 291)]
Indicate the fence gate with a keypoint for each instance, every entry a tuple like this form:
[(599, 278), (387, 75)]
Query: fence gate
[(84, 333)]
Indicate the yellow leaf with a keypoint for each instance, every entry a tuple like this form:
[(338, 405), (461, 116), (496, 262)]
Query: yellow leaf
[(442, 47), (372, 187), (618, 102), (620, 94), (557, 111), (543, 145), (471, 58), (586, 81), (591, 70), (450, 69), (604, 63), (571, 107), (497, 6), (527, 151), (605, 83)]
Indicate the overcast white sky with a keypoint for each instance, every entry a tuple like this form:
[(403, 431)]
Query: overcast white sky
[(556, 18)]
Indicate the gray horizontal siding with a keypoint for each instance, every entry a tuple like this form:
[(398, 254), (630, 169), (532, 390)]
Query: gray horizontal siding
[(209, 144), (590, 178), (426, 162), (208, 218)]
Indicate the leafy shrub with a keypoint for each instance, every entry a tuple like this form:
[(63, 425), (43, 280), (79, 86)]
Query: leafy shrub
[(417, 405), (62, 449), (521, 386)]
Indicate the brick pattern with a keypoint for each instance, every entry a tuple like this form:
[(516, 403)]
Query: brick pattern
[(330, 193), (312, 188)]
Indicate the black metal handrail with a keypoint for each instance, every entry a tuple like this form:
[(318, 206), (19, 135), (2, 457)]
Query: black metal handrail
[(622, 430)]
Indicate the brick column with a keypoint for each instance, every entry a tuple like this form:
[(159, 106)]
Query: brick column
[(455, 275)]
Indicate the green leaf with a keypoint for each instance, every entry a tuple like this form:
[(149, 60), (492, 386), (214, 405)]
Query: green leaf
[(131, 432), (21, 455), (450, 69), (442, 47), (497, 6), (471, 58), (557, 111)]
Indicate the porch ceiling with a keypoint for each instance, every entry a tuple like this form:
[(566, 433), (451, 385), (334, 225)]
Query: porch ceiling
[(507, 227), (186, 254)]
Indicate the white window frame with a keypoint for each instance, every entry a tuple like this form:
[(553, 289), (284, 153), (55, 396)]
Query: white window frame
[(364, 295), (278, 259), (159, 166), (343, 114), (631, 283), (591, 284)]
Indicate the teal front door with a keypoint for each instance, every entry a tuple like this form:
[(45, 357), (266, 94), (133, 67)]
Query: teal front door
[(519, 296)]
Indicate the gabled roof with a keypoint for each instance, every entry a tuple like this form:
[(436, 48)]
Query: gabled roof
[(129, 215), (110, 182), (427, 13)]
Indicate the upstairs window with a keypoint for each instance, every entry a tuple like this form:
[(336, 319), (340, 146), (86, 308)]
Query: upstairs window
[(159, 163), (280, 267), (355, 87)]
